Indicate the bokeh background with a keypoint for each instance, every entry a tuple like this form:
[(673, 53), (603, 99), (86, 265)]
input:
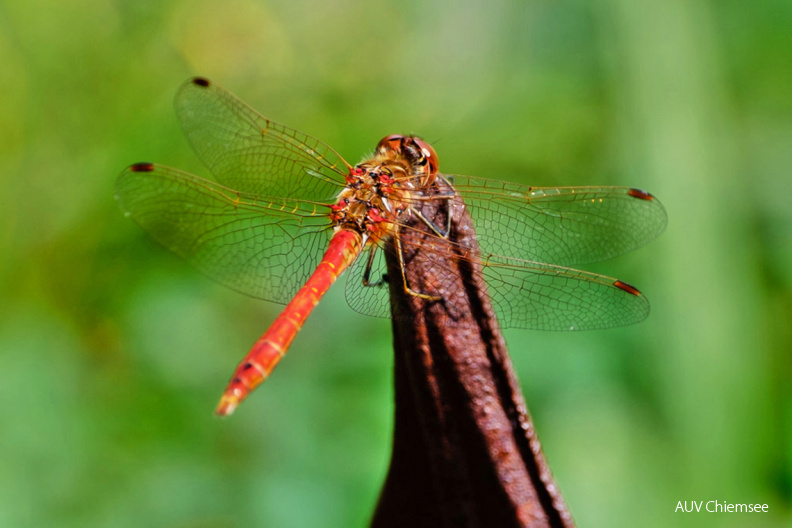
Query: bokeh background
[(113, 352)]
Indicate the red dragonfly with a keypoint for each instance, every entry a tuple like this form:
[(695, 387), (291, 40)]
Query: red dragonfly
[(284, 196)]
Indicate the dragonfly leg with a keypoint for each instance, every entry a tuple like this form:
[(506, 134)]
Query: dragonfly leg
[(439, 231), (367, 272), (407, 288), (447, 194)]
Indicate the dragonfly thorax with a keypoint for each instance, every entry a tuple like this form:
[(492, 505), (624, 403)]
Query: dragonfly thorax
[(371, 202), (379, 190)]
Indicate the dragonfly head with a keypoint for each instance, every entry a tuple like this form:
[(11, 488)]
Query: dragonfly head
[(417, 152)]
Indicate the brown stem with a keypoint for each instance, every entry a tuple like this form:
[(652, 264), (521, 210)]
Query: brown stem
[(465, 453)]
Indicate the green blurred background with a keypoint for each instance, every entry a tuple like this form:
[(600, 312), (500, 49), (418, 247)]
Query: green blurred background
[(113, 352)]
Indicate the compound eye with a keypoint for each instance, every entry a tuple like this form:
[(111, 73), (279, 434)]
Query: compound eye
[(428, 153), (392, 143)]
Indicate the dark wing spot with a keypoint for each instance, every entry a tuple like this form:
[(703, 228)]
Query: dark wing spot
[(201, 81), (638, 193), (626, 287), (142, 167)]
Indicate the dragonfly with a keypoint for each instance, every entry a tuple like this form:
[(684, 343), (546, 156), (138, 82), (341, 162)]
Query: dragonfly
[(287, 215)]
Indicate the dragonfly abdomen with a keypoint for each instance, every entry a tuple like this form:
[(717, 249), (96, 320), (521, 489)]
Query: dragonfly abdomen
[(262, 359)]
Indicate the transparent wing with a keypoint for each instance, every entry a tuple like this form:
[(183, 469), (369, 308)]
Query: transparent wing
[(524, 294), (246, 151), (373, 299), (544, 297), (263, 247), (560, 225)]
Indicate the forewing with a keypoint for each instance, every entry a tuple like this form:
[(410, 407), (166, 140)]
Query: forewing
[(560, 225), (250, 153)]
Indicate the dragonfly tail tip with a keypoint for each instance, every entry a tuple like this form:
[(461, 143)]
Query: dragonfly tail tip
[(226, 406)]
